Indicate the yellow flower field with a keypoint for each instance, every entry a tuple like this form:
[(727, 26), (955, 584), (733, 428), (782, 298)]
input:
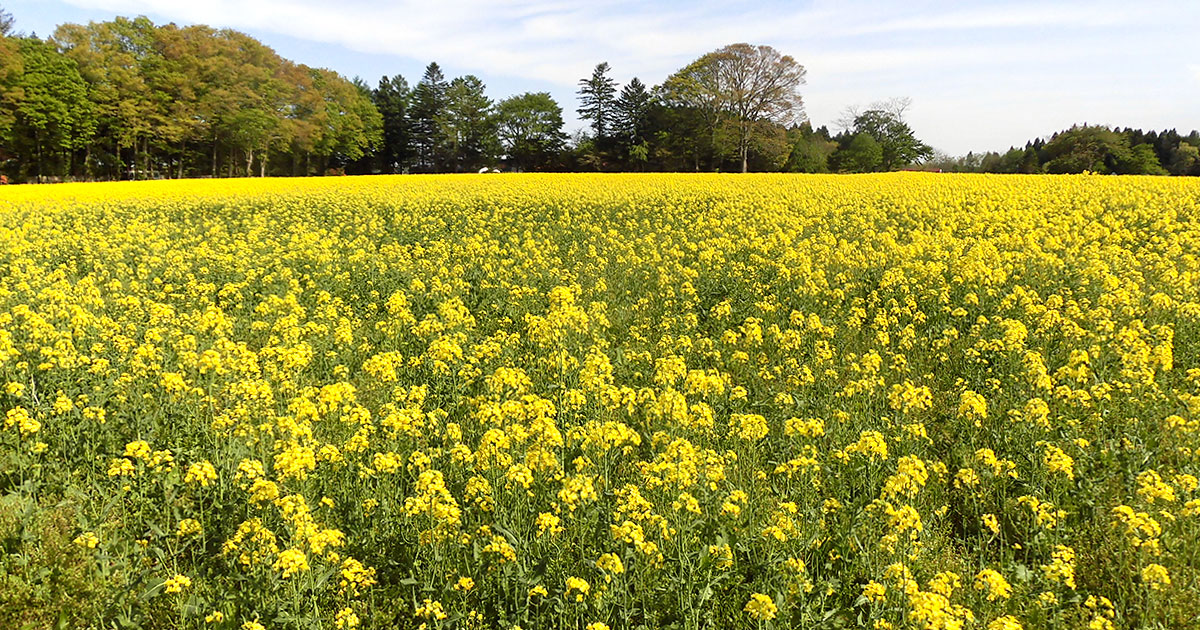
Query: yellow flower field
[(602, 401)]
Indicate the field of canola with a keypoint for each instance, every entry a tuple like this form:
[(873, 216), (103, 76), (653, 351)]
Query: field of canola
[(601, 401)]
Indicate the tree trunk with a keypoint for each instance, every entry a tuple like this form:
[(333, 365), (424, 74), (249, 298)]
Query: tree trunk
[(37, 138), (744, 148), (249, 162), (214, 163), (262, 167)]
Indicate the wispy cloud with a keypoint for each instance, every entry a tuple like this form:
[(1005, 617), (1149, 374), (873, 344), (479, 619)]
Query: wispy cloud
[(1005, 17), (936, 51), (555, 41)]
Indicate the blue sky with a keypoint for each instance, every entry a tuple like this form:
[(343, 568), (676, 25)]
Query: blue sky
[(981, 75)]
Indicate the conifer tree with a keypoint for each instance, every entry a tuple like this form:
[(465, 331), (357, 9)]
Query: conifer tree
[(597, 101), (428, 105)]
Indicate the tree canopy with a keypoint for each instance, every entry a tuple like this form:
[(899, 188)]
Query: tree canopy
[(597, 101), (742, 91), (130, 99), (1092, 148), (530, 130)]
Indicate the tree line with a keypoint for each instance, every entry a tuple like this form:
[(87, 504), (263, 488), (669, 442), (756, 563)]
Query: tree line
[(1092, 148), (128, 99)]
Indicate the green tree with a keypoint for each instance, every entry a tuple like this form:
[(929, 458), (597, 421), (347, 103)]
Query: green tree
[(810, 150), (1099, 150), (54, 116), (260, 93), (682, 130), (862, 155), (737, 89), (10, 90), (1140, 160), (393, 98), (469, 124), (7, 23), (428, 105), (352, 127), (252, 129), (531, 130), (302, 115), (209, 63), (692, 113), (113, 57), (1185, 160), (632, 119), (898, 146), (597, 101)]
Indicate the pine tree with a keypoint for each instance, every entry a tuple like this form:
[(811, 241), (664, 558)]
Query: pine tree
[(596, 96), (469, 124), (428, 105), (393, 99), (632, 112), (7, 23)]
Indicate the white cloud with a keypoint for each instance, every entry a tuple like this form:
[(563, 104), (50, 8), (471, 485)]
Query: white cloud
[(1001, 17), (856, 51), (558, 41)]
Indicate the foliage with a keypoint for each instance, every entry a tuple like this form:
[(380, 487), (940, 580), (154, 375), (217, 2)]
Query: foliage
[(53, 114), (897, 144), (469, 124), (863, 154), (632, 112), (393, 98), (1100, 150), (597, 101), (153, 101), (429, 102), (741, 89), (1091, 148), (811, 149), (11, 71), (530, 129)]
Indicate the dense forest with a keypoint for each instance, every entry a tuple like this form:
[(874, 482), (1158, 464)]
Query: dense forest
[(128, 99)]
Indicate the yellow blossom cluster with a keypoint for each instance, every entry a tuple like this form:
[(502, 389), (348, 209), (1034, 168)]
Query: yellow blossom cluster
[(891, 401)]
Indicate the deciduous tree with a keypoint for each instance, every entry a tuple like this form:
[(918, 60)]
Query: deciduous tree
[(54, 116), (897, 143), (531, 130), (741, 86)]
